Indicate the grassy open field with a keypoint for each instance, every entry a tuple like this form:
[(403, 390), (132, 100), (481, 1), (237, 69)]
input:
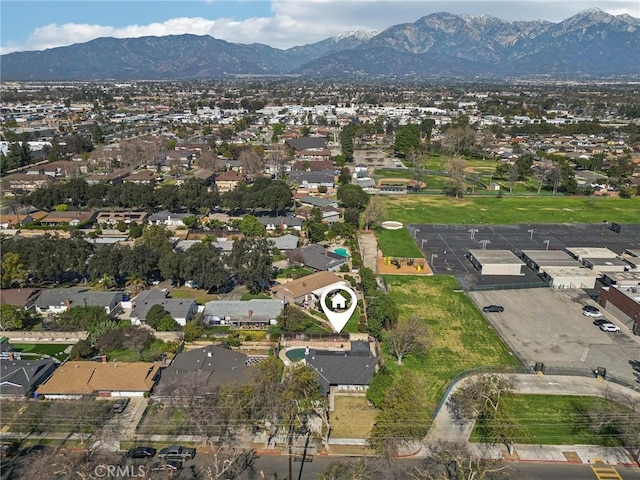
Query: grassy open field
[(461, 338), (552, 419), (411, 209), (201, 296), (353, 417), (397, 243)]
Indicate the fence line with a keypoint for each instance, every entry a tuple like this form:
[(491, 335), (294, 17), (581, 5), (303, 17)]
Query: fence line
[(508, 286)]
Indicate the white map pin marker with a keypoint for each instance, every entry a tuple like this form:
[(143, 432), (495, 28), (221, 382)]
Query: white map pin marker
[(338, 313)]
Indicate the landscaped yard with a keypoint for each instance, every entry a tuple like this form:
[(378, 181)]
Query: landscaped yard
[(201, 296), (415, 209), (352, 417), (460, 337), (53, 349), (552, 419)]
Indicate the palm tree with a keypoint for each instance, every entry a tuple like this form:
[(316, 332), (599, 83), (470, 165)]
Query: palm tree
[(136, 282)]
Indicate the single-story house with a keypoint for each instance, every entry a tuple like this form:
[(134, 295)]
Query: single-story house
[(167, 218), (255, 312), (143, 177), (228, 181), (74, 380), (20, 378), (302, 178), (271, 223), (24, 183), (58, 300), (285, 243), (318, 202), (20, 297), (348, 371), (207, 367), (180, 309), (319, 258), (15, 221), (113, 218), (306, 143), (307, 289), (68, 218)]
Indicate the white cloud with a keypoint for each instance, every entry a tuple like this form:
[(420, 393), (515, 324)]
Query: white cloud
[(296, 22)]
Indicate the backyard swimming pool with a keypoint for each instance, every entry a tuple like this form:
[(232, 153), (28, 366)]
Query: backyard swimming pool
[(342, 252), (295, 354)]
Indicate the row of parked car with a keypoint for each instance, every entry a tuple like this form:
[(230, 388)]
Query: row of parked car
[(603, 323), (172, 457)]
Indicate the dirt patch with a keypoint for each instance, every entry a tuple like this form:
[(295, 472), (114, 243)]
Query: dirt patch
[(352, 417)]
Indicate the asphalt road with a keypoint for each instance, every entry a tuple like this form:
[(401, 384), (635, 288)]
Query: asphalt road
[(521, 471)]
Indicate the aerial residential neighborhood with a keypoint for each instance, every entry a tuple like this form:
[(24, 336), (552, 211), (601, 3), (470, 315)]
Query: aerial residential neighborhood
[(174, 252)]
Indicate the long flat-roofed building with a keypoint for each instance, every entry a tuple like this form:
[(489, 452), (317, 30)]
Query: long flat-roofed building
[(580, 253), (496, 262), (539, 260), (571, 277)]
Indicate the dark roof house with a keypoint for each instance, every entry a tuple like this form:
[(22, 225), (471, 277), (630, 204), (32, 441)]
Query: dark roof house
[(343, 370), (319, 258), (20, 378)]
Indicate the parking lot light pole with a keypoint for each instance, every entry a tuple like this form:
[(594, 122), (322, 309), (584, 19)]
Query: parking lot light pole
[(433, 255), (473, 232), (531, 232), (546, 242), (416, 232), (422, 243)]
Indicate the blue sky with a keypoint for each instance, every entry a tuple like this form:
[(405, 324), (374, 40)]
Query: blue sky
[(37, 25)]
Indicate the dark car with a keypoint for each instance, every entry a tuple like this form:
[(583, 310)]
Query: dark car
[(493, 309), (141, 452), (120, 405), (600, 321), (177, 452)]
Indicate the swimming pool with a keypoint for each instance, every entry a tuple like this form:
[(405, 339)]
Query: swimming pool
[(342, 252), (295, 354)]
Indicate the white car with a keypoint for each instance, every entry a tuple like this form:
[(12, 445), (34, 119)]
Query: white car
[(609, 327), (592, 313)]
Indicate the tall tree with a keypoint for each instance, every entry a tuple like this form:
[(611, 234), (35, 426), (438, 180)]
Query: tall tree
[(251, 264), (13, 271), (409, 337)]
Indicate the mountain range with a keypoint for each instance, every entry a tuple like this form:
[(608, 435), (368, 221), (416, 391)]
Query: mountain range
[(441, 45)]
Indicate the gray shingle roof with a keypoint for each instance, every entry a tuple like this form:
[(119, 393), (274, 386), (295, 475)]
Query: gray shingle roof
[(176, 307), (77, 296), (319, 258), (302, 176), (318, 202), (217, 365), (21, 377), (355, 367), (304, 143), (285, 242)]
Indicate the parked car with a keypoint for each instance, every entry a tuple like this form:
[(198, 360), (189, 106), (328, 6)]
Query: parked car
[(169, 465), (609, 327), (591, 311), (493, 308), (600, 321), (120, 405), (176, 452), (141, 452)]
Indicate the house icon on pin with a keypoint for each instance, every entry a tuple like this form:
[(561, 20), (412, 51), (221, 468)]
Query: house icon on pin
[(338, 302)]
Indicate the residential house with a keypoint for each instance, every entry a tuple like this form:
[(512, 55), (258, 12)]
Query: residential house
[(58, 300), (308, 289), (317, 202), (20, 297), (224, 244), (304, 179), (113, 178), (250, 313), (143, 177), (74, 380), (20, 378), (73, 219), (207, 368), (319, 258), (348, 371), (66, 168), (15, 221), (181, 309), (285, 243), (273, 223), (228, 181), (306, 143), (310, 164), (172, 160), (167, 218), (111, 219), (22, 183)]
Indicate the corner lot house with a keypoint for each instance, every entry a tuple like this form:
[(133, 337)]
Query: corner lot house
[(74, 380), (20, 378), (58, 300), (307, 289)]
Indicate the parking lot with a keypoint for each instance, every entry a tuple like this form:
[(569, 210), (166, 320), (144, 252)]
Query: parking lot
[(545, 325), (445, 246)]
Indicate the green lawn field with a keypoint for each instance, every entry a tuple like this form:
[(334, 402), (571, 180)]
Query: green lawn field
[(53, 349), (415, 209), (397, 243), (460, 337), (553, 419)]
